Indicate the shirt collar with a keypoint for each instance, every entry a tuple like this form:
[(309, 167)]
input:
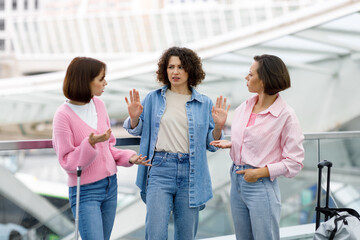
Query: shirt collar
[(195, 95), (275, 108), (163, 90)]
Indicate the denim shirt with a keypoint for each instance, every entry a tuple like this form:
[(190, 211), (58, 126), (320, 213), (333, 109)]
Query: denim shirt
[(201, 126)]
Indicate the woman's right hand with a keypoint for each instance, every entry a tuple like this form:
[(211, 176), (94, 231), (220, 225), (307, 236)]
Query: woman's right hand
[(94, 139), (221, 143), (134, 107)]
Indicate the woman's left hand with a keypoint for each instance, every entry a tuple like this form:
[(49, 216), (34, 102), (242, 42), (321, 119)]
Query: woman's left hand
[(252, 175), (139, 160), (219, 112), (249, 175)]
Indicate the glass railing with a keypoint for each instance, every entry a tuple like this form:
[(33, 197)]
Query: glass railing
[(34, 194), (298, 193), (32, 167)]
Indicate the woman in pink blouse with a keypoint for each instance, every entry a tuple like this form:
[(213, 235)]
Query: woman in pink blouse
[(82, 137), (266, 142)]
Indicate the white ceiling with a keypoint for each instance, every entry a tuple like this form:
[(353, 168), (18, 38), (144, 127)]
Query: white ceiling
[(328, 50)]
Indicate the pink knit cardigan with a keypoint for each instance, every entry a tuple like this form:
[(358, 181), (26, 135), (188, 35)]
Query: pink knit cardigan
[(70, 141)]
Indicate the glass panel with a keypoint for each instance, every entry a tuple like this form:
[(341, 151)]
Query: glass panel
[(298, 193), (2, 45), (2, 24), (38, 171)]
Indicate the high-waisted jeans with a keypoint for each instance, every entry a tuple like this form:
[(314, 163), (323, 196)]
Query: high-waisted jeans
[(97, 210), (168, 190), (255, 207)]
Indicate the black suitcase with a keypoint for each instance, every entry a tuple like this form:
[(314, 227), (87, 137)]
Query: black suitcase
[(326, 211)]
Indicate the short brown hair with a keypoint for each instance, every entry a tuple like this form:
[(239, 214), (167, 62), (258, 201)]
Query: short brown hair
[(79, 74), (273, 72), (189, 60)]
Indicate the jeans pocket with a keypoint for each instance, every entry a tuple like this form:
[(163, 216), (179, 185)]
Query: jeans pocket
[(276, 190), (158, 161), (72, 194), (259, 181)]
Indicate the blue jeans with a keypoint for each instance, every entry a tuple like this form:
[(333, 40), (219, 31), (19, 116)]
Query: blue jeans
[(255, 207), (97, 210), (168, 190)]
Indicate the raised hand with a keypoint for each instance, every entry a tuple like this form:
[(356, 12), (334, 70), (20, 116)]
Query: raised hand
[(221, 143), (219, 112), (139, 160), (94, 139), (134, 107)]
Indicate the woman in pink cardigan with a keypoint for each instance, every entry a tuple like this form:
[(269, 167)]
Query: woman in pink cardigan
[(82, 137)]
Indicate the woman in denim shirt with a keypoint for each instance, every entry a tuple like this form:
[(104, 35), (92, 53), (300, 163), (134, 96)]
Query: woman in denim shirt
[(176, 125)]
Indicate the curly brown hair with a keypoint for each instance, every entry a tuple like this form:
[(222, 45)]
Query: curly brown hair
[(190, 61)]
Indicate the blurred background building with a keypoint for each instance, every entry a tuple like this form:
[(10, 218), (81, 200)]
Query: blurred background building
[(319, 40)]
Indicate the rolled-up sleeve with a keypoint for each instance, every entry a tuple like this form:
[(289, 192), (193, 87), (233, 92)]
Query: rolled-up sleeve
[(133, 131), (292, 152), (210, 136)]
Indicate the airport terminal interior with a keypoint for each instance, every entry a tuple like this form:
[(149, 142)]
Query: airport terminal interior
[(319, 40)]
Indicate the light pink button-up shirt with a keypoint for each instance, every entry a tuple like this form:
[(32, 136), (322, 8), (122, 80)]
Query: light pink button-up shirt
[(274, 140)]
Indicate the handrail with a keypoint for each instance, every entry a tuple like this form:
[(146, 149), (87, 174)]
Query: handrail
[(332, 135), (47, 143)]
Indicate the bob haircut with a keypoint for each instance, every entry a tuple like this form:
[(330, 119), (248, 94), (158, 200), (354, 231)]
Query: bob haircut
[(189, 60), (79, 74), (273, 72)]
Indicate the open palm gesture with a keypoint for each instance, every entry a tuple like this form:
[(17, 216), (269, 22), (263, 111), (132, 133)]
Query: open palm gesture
[(140, 160), (221, 143), (94, 139), (134, 107), (219, 111)]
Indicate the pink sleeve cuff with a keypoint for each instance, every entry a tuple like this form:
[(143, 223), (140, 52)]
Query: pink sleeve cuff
[(87, 154), (122, 157), (276, 170)]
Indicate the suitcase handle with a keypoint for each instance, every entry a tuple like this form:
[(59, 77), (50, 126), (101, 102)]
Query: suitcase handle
[(325, 163), (78, 173), (321, 165)]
